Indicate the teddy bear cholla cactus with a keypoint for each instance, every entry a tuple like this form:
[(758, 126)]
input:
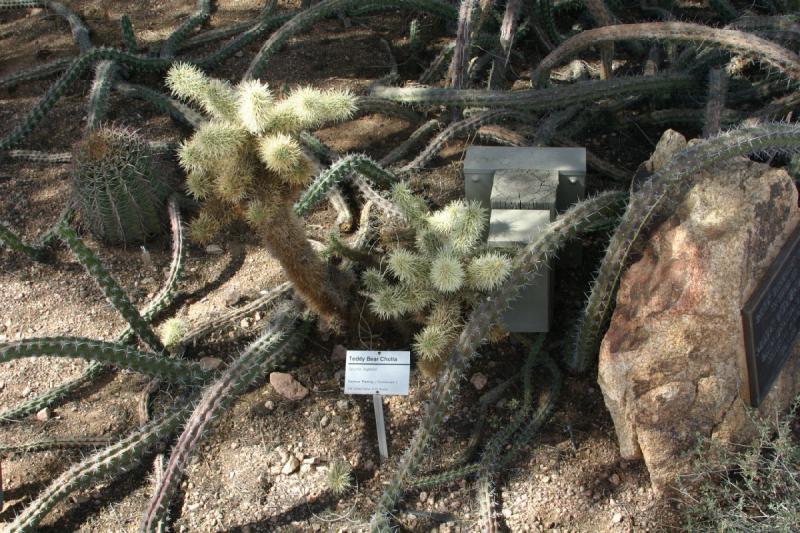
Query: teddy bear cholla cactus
[(245, 163), (445, 272)]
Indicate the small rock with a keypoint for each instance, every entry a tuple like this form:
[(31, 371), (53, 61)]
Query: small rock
[(479, 380), (43, 415), (342, 405), (324, 421), (309, 460), (26, 392), (339, 353), (285, 385), (232, 296), (193, 506), (214, 249), (617, 518), (245, 323), (269, 405), (148, 281), (615, 480), (305, 468), (209, 363), (290, 466)]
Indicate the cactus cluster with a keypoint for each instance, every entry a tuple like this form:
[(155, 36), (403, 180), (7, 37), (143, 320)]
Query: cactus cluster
[(444, 272), (119, 197), (247, 163)]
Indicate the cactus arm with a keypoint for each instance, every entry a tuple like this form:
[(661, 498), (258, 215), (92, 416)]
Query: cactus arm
[(535, 99), (105, 72), (174, 108), (748, 44), (112, 353), (34, 73), (72, 73), (306, 18), (111, 289), (263, 355), (656, 197), (15, 242), (437, 66), (40, 157), (198, 18), (53, 395), (545, 244), (337, 172), (245, 39), (235, 315), (367, 105), (80, 33), (111, 461), (57, 444), (466, 125), (416, 137), (128, 35)]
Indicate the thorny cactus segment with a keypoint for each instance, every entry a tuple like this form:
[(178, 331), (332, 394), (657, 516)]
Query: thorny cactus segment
[(112, 353), (262, 356), (111, 461), (525, 266), (247, 164), (116, 191), (740, 42), (15, 242), (442, 275), (656, 198)]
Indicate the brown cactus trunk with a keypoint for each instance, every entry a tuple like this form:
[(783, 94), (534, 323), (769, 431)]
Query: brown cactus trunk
[(324, 289)]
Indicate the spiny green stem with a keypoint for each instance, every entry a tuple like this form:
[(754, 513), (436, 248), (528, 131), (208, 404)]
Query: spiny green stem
[(40, 157), (128, 35), (534, 99), (35, 73), (15, 242), (166, 104), (337, 172), (108, 462), (104, 75), (263, 355), (112, 353), (419, 134), (53, 444), (111, 289), (526, 266), (198, 18), (740, 42), (306, 18), (656, 198)]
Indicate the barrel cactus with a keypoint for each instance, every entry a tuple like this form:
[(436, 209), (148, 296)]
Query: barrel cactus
[(438, 276), (247, 163), (120, 198)]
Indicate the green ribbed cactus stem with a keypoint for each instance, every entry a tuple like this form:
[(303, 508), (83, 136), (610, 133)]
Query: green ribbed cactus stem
[(128, 35), (15, 242), (774, 55), (111, 289), (655, 200), (466, 125), (109, 462), (104, 74), (198, 18), (119, 355), (416, 137), (540, 99), (260, 357), (41, 157), (166, 104), (57, 444), (337, 172), (34, 73), (478, 327), (308, 17), (241, 41), (438, 65), (118, 194)]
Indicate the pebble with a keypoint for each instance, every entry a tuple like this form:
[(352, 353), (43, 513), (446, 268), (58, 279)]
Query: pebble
[(339, 353), (479, 380), (615, 480), (288, 387), (210, 363), (269, 405), (342, 404), (43, 415), (214, 249), (325, 421), (26, 391), (290, 466), (617, 518)]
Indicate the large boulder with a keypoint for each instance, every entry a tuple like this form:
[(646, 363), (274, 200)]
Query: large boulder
[(672, 365)]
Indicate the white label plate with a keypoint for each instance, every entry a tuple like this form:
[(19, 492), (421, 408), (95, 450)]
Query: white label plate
[(377, 372)]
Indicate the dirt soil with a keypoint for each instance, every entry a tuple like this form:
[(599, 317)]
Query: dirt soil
[(571, 477)]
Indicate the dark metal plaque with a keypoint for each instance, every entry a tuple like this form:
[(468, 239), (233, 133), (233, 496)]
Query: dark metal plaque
[(771, 319)]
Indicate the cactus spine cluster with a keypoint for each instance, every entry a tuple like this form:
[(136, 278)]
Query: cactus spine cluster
[(444, 272), (246, 163), (118, 195)]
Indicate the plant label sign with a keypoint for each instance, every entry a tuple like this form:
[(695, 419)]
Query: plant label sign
[(771, 320), (377, 372)]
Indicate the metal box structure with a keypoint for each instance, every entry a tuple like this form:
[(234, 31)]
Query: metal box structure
[(524, 189)]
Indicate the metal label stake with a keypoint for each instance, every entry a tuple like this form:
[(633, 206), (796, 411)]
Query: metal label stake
[(380, 425)]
